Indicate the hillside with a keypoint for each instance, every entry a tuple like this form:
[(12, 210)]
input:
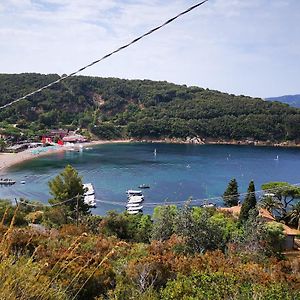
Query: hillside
[(114, 108), (292, 100)]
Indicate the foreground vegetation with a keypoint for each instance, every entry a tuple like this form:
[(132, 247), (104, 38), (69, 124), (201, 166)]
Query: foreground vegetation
[(63, 252), (130, 257), (178, 253), (113, 108)]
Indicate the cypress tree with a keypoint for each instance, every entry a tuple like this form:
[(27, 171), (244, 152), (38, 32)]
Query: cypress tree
[(249, 203), (231, 195)]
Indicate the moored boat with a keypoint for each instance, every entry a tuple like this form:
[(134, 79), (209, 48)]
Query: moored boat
[(133, 204), (144, 186), (135, 208), (7, 181), (135, 199), (133, 212), (89, 195), (134, 193)]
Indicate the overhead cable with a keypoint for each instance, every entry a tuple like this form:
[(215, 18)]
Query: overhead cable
[(105, 56), (166, 202)]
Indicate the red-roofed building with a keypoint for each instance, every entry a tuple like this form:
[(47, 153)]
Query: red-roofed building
[(289, 232)]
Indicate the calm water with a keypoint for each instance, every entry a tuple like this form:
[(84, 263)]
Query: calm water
[(176, 173)]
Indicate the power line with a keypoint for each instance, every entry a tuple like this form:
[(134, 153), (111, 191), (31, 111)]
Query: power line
[(199, 200), (105, 56), (166, 202)]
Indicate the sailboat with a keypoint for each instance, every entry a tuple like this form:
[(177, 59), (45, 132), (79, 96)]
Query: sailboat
[(277, 158), (154, 152)]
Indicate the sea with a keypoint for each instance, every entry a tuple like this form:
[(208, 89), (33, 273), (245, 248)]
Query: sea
[(175, 173)]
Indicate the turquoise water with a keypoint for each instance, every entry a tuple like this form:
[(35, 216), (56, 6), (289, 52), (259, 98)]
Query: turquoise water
[(176, 173)]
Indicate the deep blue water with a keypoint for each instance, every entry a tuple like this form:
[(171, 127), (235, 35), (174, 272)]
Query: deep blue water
[(176, 173)]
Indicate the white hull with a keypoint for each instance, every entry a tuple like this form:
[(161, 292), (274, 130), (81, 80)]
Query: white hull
[(131, 193), (135, 208), (89, 195)]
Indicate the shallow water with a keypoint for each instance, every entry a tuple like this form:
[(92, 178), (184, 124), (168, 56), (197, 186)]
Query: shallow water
[(175, 173)]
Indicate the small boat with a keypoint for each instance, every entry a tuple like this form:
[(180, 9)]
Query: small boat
[(22, 181), (269, 195), (208, 205), (89, 195), (137, 208), (133, 212), (7, 181), (155, 152), (144, 186), (136, 199), (133, 204), (134, 193)]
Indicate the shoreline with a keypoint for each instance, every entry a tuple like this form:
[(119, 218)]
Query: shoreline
[(211, 141), (8, 160)]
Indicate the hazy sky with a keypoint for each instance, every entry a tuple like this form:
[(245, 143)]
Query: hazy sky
[(249, 47)]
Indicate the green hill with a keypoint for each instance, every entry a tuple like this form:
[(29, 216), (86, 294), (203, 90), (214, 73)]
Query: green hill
[(115, 108)]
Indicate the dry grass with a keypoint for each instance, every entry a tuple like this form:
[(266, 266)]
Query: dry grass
[(20, 275)]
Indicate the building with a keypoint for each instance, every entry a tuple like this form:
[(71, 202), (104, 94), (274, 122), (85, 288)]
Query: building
[(290, 233), (75, 138), (60, 133)]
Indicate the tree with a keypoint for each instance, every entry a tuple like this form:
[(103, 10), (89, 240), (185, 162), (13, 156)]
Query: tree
[(164, 220), (259, 239), (271, 204), (294, 215), (286, 193), (199, 231), (249, 203), (2, 145), (231, 195), (68, 186)]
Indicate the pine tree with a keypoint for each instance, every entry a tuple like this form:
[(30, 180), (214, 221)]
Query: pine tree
[(68, 185), (231, 195), (249, 203)]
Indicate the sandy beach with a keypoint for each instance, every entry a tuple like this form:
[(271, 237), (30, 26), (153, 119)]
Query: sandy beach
[(9, 159)]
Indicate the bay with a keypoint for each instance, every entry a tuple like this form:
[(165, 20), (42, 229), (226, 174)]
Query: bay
[(175, 173)]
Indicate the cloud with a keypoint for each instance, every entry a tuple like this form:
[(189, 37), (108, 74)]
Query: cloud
[(243, 47)]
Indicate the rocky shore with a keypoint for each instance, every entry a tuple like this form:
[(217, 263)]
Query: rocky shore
[(212, 141)]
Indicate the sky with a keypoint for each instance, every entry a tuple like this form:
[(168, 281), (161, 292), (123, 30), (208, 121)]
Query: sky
[(243, 47)]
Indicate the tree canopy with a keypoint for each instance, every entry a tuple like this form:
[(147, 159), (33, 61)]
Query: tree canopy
[(231, 195), (249, 202), (67, 189), (115, 108)]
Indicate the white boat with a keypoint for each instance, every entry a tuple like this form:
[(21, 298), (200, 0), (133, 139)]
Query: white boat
[(89, 195), (134, 193), (208, 205), (7, 181), (137, 208), (269, 195), (135, 199), (133, 212), (132, 204)]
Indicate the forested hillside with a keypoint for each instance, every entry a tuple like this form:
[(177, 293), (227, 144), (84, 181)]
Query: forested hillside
[(115, 108)]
